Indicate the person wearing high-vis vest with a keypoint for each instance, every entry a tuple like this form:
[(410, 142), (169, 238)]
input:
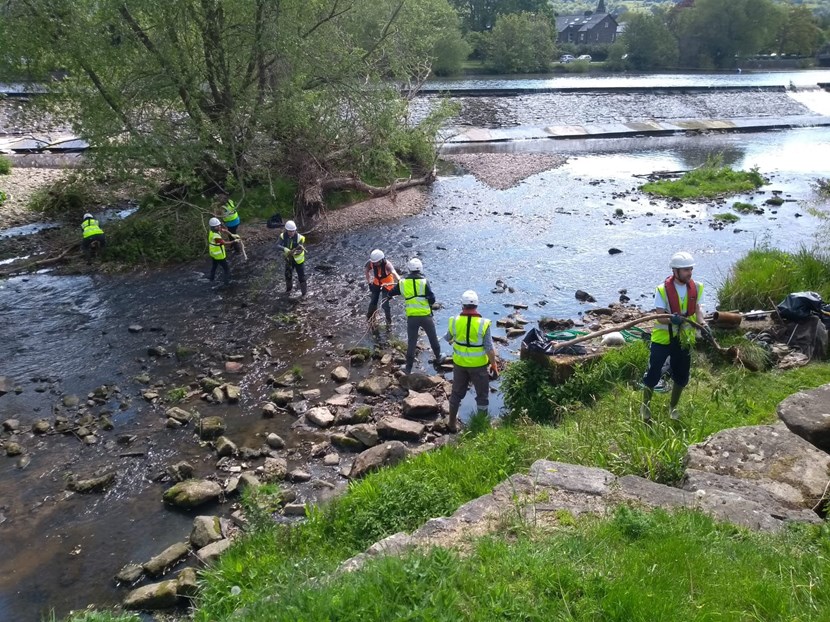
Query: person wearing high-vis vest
[(381, 276), (673, 339), (230, 219), (217, 250), (418, 300), (472, 354), (292, 245), (93, 239)]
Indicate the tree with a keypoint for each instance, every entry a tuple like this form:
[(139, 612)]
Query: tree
[(799, 32), (649, 43), (481, 15), (449, 55), (221, 94), (714, 32), (521, 43)]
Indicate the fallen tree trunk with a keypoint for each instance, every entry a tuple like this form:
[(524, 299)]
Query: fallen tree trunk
[(41, 263)]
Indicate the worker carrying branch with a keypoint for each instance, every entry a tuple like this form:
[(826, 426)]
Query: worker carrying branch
[(674, 338), (292, 245), (381, 276)]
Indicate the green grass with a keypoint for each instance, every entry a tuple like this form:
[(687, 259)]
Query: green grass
[(708, 181), (745, 208), (631, 566), (5, 166), (765, 275), (277, 561), (98, 616), (727, 217)]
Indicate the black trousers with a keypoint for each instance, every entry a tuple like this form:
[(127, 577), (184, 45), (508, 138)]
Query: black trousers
[(290, 267), (224, 264), (89, 249), (376, 291)]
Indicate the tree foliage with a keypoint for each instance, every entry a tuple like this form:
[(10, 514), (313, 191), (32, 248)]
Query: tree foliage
[(221, 93), (481, 15), (649, 43), (521, 43)]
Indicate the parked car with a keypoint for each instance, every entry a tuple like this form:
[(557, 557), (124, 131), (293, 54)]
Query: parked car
[(566, 58), (585, 57)]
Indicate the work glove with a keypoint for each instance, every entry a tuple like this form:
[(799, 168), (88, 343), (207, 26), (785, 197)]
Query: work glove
[(677, 319), (494, 371)]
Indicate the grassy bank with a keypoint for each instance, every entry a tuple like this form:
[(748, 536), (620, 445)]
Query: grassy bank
[(765, 275), (708, 181), (598, 426), (634, 566)]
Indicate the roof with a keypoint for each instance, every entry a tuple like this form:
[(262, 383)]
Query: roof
[(584, 22)]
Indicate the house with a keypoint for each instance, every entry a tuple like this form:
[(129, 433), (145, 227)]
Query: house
[(589, 28)]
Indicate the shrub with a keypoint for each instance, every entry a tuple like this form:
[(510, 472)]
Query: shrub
[(5, 166), (66, 198), (158, 234), (765, 275)]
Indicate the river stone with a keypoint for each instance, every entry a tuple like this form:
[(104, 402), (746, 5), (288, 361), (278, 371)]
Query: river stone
[(792, 470), (298, 408), (6, 385), (321, 417), (374, 458), (331, 460), (208, 384), (167, 558), (225, 447), (91, 484), (375, 385), (150, 395), (288, 379), (41, 426), (211, 428), (366, 433), (274, 469), (396, 428), (211, 552), (248, 480), (156, 351), (13, 449), (340, 401), (11, 425), (71, 401), (206, 529), (420, 382), (282, 397), (807, 414), (234, 367), (347, 443), (299, 476), (179, 414), (275, 441), (417, 405), (340, 374), (652, 494), (583, 296), (162, 595), (187, 583), (192, 493), (218, 395), (135, 328), (269, 410), (345, 389), (90, 439), (130, 573), (361, 414), (180, 471), (233, 392), (311, 395)]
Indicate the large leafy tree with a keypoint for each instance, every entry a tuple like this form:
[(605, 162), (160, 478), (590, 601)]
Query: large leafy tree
[(648, 42), (799, 32), (225, 93), (520, 43), (481, 15)]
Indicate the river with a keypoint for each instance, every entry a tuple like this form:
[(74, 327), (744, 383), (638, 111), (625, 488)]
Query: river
[(546, 237)]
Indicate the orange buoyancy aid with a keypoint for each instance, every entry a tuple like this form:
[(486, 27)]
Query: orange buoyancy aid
[(674, 299), (382, 276)]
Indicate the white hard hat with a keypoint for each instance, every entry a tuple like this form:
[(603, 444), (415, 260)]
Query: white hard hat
[(469, 298), (87, 215), (415, 265), (290, 225), (214, 222), (377, 255), (682, 260)]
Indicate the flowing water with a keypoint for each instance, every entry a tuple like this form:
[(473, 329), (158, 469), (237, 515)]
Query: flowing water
[(546, 237)]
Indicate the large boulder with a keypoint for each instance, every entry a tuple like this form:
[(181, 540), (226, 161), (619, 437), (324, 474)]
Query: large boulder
[(206, 530), (211, 428), (187, 583), (321, 417), (340, 374), (373, 459), (192, 493), (374, 385), (179, 414), (162, 595), (274, 469), (225, 447), (395, 428), (347, 443), (807, 414), (211, 552), (420, 382), (785, 465), (167, 558), (419, 405)]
